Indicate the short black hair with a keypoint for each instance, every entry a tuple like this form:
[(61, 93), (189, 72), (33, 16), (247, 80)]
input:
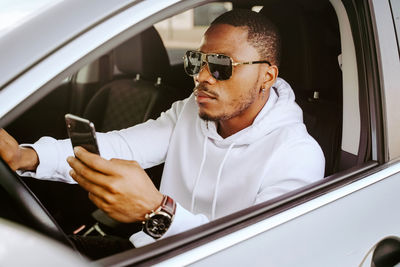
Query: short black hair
[(263, 35)]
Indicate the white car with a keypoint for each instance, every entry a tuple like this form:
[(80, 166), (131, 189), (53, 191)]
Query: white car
[(119, 63)]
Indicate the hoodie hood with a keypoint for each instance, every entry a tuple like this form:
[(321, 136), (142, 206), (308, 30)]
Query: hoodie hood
[(280, 110)]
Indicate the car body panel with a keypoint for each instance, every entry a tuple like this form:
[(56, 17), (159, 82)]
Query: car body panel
[(320, 232), (20, 246)]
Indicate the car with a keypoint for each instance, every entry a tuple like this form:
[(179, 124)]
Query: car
[(119, 63)]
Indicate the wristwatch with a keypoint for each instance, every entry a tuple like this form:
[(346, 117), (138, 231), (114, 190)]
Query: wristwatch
[(157, 222)]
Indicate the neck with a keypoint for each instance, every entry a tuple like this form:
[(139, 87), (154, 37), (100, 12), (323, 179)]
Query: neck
[(233, 125)]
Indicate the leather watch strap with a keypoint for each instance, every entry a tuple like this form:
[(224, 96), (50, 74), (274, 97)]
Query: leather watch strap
[(168, 205)]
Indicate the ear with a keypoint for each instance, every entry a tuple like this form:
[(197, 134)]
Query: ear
[(271, 73)]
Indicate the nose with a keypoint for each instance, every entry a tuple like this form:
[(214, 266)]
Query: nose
[(204, 75)]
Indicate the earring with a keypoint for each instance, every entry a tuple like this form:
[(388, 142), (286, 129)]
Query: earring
[(263, 92)]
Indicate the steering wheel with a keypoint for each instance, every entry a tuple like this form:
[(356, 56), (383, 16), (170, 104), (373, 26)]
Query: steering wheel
[(29, 207)]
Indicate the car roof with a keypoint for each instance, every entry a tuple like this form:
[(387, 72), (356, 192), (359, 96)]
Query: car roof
[(38, 34)]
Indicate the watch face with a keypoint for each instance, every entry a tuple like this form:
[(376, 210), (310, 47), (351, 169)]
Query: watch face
[(157, 225)]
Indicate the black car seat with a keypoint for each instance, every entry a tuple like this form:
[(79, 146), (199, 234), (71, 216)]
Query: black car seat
[(136, 93), (310, 47), (141, 65)]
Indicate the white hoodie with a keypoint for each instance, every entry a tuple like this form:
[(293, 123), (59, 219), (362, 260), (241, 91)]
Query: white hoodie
[(208, 176)]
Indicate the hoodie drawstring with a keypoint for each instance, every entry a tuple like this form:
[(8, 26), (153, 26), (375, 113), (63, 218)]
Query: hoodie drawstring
[(200, 171), (214, 204)]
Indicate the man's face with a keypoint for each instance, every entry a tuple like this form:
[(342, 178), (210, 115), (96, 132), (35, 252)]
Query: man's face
[(233, 98)]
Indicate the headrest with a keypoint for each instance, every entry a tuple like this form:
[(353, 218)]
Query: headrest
[(144, 54), (310, 45), (290, 21)]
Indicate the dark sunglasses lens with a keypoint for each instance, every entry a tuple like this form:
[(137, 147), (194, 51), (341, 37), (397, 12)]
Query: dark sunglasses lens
[(192, 62), (220, 66)]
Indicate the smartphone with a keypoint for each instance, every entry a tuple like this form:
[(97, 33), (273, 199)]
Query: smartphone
[(82, 133)]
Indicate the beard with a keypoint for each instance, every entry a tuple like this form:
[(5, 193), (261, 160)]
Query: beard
[(237, 106), (240, 106)]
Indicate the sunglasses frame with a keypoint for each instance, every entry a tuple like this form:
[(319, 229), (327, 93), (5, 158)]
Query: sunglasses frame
[(204, 59)]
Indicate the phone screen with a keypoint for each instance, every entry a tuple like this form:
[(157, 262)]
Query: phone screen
[(82, 133)]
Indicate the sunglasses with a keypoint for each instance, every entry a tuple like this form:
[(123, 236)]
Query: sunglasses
[(220, 66)]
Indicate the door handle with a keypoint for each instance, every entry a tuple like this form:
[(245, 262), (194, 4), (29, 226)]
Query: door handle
[(386, 253)]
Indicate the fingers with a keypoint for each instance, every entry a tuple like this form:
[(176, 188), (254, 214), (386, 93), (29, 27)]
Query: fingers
[(110, 210), (84, 173), (99, 202), (108, 167), (92, 188), (93, 161)]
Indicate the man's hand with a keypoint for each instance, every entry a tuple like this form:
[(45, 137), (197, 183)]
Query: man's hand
[(121, 188), (18, 158)]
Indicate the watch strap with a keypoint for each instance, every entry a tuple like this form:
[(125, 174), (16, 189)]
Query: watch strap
[(168, 205)]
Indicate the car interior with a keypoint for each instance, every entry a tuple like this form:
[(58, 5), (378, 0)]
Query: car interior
[(136, 81)]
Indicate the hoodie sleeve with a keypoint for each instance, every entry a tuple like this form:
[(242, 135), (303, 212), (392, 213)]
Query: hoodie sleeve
[(52, 155), (296, 164), (183, 221), (147, 143)]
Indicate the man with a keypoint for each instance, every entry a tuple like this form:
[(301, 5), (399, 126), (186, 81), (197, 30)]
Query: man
[(236, 141)]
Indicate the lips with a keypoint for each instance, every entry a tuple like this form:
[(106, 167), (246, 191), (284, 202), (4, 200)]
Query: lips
[(203, 97), (203, 94)]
